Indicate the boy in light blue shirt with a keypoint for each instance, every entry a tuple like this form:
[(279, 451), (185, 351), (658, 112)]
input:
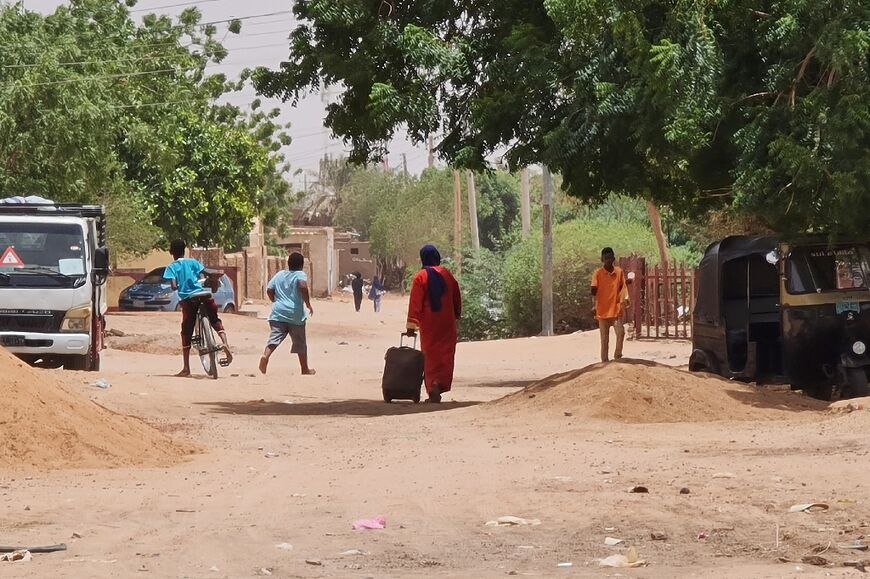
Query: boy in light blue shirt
[(185, 274), (288, 291)]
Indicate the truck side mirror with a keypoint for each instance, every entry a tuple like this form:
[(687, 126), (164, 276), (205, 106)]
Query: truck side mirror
[(101, 261)]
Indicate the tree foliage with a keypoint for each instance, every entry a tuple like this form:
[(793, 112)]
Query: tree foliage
[(95, 107), (758, 107)]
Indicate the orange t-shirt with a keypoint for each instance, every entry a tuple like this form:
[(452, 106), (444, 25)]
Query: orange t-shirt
[(610, 285)]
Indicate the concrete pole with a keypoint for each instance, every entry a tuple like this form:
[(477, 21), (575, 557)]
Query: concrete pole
[(430, 144), (457, 220), (472, 212), (547, 261), (525, 203)]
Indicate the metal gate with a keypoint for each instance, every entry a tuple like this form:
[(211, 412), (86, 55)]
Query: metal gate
[(662, 298)]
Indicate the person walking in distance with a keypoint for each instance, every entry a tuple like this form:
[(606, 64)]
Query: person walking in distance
[(357, 286), (376, 293), (608, 290), (434, 309)]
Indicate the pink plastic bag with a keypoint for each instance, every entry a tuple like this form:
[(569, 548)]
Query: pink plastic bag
[(379, 522)]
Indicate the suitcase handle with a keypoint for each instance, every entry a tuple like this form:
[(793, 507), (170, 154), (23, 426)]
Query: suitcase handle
[(402, 337)]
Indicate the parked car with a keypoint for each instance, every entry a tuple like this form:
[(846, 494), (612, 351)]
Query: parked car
[(153, 293)]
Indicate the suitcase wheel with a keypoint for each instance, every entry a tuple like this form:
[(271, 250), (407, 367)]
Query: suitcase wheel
[(417, 399), (387, 399)]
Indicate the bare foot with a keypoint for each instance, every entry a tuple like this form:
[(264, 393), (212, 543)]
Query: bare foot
[(309, 372), (183, 374), (264, 364), (229, 355)]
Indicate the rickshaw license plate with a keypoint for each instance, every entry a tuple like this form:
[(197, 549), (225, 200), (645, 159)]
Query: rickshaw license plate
[(843, 307)]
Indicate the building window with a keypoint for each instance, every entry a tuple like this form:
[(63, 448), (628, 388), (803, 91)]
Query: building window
[(354, 251)]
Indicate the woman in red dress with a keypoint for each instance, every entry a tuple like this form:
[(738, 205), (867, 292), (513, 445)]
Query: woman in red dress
[(435, 307)]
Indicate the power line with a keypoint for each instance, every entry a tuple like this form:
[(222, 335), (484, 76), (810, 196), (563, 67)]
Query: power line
[(105, 77), (171, 6), (251, 17)]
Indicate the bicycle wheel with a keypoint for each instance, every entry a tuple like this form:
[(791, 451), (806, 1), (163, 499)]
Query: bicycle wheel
[(208, 347)]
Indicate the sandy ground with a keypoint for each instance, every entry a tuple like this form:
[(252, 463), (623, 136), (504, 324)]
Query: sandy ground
[(289, 460)]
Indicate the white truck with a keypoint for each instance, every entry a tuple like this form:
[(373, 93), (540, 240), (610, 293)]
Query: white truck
[(54, 264)]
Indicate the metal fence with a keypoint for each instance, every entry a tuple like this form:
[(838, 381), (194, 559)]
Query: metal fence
[(662, 299)]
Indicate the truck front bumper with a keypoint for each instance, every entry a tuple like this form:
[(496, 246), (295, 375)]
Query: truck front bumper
[(46, 344)]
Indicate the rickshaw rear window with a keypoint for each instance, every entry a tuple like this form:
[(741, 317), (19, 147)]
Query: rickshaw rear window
[(820, 269)]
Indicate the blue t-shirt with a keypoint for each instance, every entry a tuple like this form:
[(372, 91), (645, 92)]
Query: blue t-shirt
[(185, 272), (289, 307)]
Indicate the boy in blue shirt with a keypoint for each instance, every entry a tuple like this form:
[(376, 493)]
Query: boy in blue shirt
[(186, 275), (288, 291)]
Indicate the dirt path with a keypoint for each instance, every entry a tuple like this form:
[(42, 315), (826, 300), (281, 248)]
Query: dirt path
[(293, 460)]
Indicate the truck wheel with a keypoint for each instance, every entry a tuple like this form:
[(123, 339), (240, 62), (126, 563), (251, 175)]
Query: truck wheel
[(85, 363), (854, 382)]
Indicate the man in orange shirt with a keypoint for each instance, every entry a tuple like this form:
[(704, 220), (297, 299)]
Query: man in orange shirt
[(608, 285)]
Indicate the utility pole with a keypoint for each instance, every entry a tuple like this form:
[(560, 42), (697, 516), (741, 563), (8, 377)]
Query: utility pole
[(547, 261), (525, 202), (457, 220), (405, 164), (472, 212), (431, 145)]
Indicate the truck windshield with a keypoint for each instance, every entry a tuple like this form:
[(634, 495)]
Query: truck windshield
[(42, 250), (821, 269)]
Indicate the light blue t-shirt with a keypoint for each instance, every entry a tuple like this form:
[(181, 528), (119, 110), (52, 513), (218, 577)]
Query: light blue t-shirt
[(289, 307), (185, 272)]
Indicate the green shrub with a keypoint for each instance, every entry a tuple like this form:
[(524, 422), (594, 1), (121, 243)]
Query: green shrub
[(482, 308), (577, 248)]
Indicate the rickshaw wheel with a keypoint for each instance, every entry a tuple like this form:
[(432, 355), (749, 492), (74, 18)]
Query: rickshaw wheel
[(854, 382)]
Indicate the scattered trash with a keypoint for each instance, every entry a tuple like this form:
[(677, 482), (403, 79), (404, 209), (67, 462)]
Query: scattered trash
[(859, 565), (815, 560), (271, 455), (703, 535), (685, 491), (315, 562), (610, 529), (76, 536), (658, 536), (569, 414), (856, 546), (639, 489), (16, 556), (115, 333), (214, 569), (352, 553), (45, 549), (284, 546), (808, 508), (342, 343), (724, 475), (509, 521), (101, 383), (379, 522), (264, 571), (565, 565), (612, 541), (630, 559)]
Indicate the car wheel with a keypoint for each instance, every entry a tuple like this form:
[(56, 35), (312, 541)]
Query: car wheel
[(178, 307), (230, 309)]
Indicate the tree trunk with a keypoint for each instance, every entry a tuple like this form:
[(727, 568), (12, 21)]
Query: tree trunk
[(655, 218), (472, 212)]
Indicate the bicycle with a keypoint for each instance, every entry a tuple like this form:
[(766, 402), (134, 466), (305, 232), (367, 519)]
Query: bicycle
[(204, 337)]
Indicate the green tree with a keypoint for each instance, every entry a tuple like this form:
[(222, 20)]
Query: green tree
[(691, 105), (91, 101)]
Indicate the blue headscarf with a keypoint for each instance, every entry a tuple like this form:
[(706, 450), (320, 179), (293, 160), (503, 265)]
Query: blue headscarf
[(430, 257)]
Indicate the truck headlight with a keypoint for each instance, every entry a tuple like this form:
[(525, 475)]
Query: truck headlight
[(77, 320), (859, 348)]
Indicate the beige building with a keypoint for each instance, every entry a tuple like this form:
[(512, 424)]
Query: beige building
[(354, 255), (318, 245)]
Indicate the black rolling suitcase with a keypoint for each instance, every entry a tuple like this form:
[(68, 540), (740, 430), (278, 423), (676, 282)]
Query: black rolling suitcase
[(403, 373)]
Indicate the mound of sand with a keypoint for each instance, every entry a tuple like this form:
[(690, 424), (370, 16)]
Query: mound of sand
[(45, 424), (634, 391)]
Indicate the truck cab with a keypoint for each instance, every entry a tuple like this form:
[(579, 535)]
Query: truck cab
[(53, 270)]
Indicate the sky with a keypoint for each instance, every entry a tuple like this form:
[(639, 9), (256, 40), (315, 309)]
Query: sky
[(263, 42)]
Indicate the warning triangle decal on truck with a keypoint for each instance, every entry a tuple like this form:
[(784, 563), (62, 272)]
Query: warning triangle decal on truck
[(10, 258)]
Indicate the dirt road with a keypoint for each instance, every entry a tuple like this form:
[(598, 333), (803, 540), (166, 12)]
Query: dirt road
[(289, 462)]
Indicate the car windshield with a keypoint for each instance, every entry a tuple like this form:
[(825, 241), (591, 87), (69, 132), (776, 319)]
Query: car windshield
[(822, 268), (154, 277), (50, 248)]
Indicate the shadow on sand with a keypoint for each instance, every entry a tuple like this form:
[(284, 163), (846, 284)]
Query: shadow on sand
[(362, 408)]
